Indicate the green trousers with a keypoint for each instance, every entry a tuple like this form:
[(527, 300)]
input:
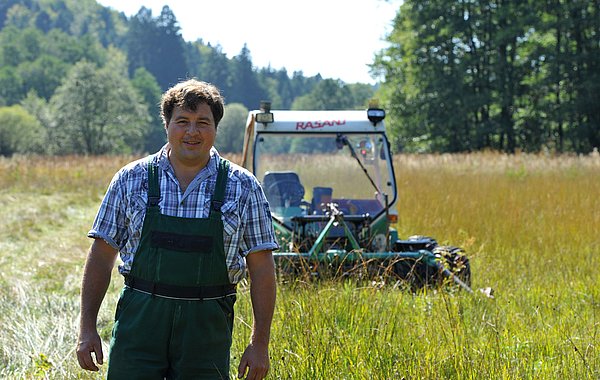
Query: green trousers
[(163, 338)]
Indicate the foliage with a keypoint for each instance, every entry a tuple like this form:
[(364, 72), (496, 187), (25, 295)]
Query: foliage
[(145, 84), (20, 131), (230, 132), (472, 75), (330, 94), (157, 45), (31, 60), (245, 87), (42, 40), (458, 76), (11, 85), (97, 112), (212, 65)]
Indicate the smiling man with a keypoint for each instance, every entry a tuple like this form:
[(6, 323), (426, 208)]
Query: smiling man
[(188, 225)]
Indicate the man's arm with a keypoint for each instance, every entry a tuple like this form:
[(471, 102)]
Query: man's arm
[(96, 278), (255, 359)]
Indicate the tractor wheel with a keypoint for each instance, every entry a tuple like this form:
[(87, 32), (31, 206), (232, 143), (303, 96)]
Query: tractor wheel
[(455, 260)]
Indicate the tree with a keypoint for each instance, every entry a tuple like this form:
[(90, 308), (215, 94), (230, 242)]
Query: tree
[(13, 49), (5, 5), (11, 85), (231, 129), (246, 89), (43, 22), (97, 111), (329, 94), (20, 132), (72, 49), (428, 99), (361, 94), (498, 74), (157, 45), (30, 60), (64, 15), (149, 90), (216, 68), (170, 53), (41, 42), (38, 107), (19, 16), (43, 75)]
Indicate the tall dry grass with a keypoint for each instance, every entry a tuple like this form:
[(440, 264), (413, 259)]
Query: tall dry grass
[(529, 224)]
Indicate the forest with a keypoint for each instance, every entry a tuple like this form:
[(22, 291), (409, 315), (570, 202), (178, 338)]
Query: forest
[(457, 76), (502, 75)]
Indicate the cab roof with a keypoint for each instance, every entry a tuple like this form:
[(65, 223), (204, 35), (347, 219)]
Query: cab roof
[(285, 121)]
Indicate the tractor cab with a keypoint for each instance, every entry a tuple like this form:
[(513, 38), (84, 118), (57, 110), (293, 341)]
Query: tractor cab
[(319, 165)]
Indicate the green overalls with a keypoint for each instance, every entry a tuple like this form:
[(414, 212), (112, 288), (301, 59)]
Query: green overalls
[(174, 318)]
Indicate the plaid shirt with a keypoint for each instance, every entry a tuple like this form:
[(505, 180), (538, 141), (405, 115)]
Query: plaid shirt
[(246, 215)]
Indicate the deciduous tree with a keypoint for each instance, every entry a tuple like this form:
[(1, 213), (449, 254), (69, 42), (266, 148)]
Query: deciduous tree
[(97, 111), (230, 132), (20, 131)]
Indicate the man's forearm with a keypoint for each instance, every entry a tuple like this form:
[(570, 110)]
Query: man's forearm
[(96, 278), (263, 295)]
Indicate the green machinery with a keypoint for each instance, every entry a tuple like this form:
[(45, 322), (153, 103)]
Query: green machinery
[(330, 183)]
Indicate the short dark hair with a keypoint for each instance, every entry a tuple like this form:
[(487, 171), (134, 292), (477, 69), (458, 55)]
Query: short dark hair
[(188, 95)]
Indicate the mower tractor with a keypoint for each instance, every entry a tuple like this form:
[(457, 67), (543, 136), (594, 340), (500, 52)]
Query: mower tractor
[(330, 183)]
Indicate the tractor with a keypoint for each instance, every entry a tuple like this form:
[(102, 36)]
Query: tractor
[(331, 187)]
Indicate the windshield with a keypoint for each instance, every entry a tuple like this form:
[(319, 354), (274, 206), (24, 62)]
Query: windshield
[(301, 173)]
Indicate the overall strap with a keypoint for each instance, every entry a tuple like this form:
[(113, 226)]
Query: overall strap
[(219, 194), (153, 186)]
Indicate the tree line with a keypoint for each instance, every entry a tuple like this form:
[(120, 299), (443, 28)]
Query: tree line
[(80, 78), (457, 76), (468, 75)]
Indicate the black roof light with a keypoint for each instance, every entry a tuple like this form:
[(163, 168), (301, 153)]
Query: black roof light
[(265, 116), (375, 115)]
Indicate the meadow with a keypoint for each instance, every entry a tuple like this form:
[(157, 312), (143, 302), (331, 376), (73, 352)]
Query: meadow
[(529, 223)]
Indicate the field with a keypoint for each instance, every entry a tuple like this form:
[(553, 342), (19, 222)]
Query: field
[(530, 225)]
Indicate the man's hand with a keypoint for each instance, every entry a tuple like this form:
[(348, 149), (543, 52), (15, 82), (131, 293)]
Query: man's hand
[(256, 361), (89, 342)]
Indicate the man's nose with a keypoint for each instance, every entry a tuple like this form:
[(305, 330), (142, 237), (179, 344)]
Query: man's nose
[(193, 127)]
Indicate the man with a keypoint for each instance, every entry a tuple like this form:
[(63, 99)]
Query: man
[(187, 224)]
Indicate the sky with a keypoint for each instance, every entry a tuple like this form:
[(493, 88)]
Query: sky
[(334, 38)]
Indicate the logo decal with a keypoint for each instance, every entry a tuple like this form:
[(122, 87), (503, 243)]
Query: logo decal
[(301, 125)]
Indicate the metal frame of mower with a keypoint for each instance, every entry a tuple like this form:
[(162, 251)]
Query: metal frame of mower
[(344, 236)]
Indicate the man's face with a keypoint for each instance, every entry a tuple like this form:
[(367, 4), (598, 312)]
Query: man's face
[(191, 134)]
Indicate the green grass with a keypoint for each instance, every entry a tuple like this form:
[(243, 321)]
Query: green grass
[(528, 223)]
